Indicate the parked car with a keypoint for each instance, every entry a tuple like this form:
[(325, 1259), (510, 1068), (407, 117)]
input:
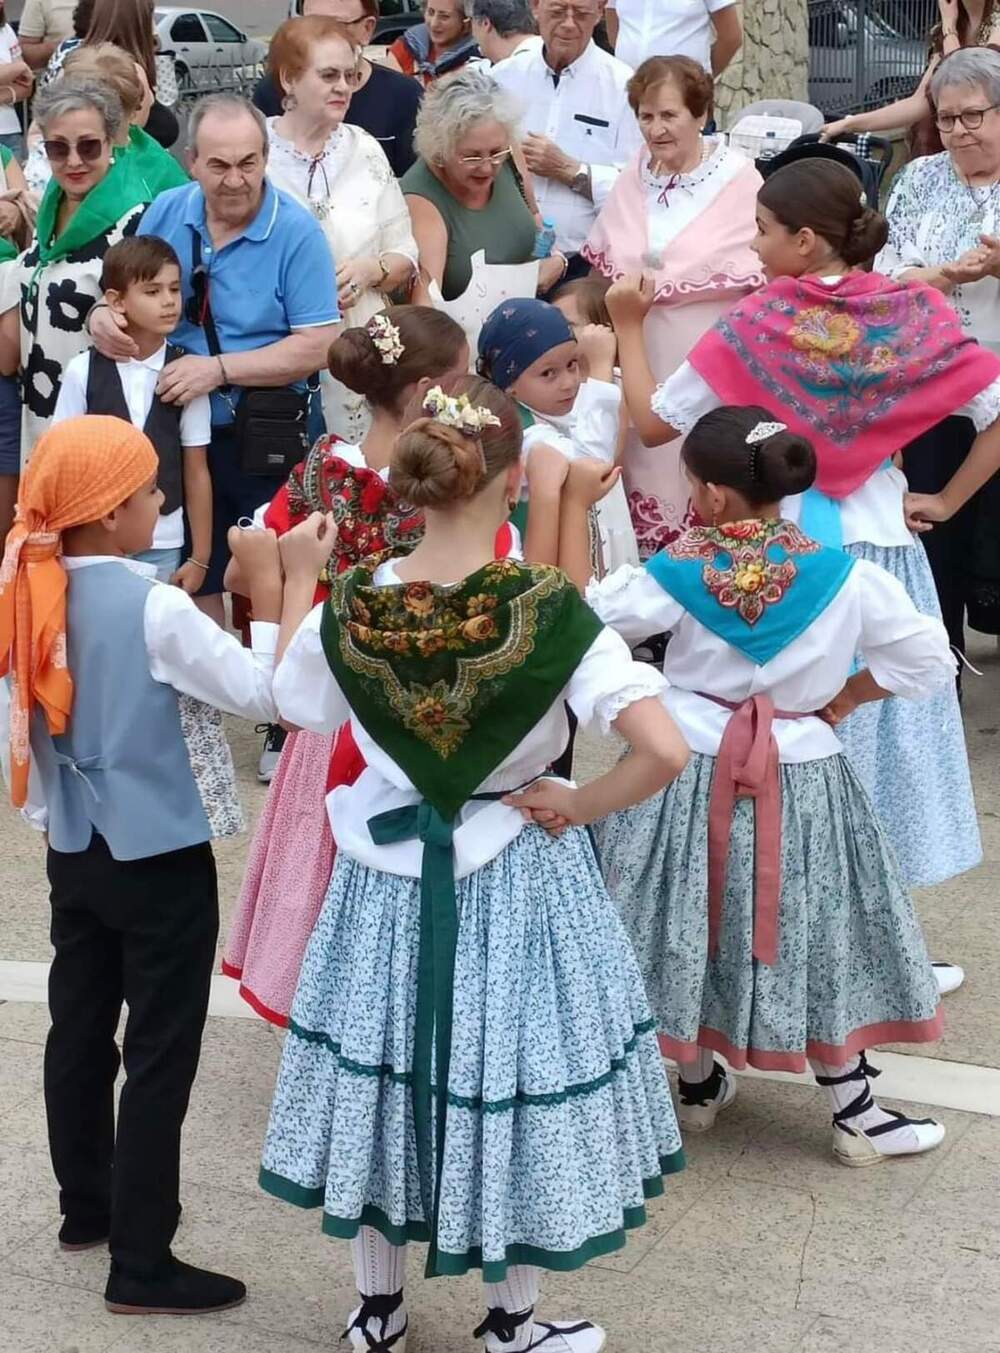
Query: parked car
[(207, 46), (395, 17), (857, 61)]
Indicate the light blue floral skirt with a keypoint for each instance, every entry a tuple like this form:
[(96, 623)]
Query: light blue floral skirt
[(558, 1122), (911, 754), (852, 970)]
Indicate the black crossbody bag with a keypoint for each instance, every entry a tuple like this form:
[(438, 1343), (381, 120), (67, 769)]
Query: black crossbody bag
[(271, 423)]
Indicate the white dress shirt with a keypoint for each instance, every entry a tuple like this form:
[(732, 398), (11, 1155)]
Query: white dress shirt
[(188, 651), (605, 682), (586, 113), (138, 378), (666, 28), (906, 652)]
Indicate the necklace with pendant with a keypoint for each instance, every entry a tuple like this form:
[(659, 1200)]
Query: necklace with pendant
[(981, 204)]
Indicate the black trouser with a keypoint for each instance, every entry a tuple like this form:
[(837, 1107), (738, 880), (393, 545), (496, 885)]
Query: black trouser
[(142, 931), (929, 463)]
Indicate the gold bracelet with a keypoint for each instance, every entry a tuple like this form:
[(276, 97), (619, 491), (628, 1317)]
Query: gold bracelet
[(197, 563)]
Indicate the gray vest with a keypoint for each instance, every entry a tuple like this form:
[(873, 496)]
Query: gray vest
[(163, 422), (122, 769)]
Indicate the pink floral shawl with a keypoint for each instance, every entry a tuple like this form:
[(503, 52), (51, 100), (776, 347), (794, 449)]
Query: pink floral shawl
[(861, 367), (708, 259)]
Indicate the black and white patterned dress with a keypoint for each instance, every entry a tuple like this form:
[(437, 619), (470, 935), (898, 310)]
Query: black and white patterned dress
[(54, 302)]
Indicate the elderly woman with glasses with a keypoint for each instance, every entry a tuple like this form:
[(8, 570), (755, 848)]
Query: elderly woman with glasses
[(339, 173), (465, 193), (944, 229), (93, 200)]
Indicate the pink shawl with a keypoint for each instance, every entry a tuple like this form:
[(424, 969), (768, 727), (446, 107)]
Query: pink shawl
[(861, 368), (709, 259)]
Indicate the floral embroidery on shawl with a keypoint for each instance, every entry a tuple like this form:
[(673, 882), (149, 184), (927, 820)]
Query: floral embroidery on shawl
[(752, 581)]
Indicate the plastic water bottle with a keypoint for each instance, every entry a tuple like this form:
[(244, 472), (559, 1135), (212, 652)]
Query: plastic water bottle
[(770, 147), (545, 240)]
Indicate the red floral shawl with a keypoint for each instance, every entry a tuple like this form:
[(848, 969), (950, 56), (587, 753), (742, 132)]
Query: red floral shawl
[(861, 368)]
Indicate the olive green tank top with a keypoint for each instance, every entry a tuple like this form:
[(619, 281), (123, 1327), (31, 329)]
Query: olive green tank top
[(504, 228)]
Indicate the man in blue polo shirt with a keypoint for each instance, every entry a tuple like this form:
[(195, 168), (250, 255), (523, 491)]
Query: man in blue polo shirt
[(271, 285)]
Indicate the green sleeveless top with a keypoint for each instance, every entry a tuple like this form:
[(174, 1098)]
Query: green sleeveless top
[(505, 227)]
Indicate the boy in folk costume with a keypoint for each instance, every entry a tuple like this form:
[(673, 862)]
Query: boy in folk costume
[(117, 745)]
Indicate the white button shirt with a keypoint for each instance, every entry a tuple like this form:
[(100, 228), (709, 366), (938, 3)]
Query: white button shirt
[(586, 113), (666, 28)]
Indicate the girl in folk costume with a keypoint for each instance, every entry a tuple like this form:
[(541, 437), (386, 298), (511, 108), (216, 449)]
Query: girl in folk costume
[(786, 934), (390, 362), (861, 365), (683, 210), (470, 1059), (529, 349)]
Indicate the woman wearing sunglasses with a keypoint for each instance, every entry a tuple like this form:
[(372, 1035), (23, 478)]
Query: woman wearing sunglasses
[(464, 192), (91, 202)]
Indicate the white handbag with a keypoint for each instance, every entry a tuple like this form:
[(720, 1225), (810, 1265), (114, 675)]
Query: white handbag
[(166, 78)]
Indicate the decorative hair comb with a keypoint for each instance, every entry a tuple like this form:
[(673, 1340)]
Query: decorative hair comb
[(460, 413), (385, 337), (763, 431)]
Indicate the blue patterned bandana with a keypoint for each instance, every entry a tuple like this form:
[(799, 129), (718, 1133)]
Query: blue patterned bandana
[(516, 334)]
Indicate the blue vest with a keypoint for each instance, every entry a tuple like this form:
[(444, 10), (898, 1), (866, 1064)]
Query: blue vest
[(122, 769), (758, 595)]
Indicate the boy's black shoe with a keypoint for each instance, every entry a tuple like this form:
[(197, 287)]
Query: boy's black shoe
[(178, 1289), (76, 1236)]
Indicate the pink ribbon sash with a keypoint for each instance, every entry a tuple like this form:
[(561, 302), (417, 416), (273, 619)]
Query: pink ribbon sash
[(747, 767)]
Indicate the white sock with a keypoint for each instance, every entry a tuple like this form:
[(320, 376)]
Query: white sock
[(844, 1094), (517, 1293), (379, 1270), (699, 1068)]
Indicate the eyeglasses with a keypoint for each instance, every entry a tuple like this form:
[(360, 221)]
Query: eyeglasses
[(477, 161), (89, 148), (971, 119), (580, 16)]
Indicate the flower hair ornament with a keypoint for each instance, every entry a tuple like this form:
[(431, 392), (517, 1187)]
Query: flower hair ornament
[(761, 433), (460, 413), (385, 339)]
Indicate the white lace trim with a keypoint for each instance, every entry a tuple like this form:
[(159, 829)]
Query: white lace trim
[(984, 409), (614, 583), (672, 413), (647, 681)]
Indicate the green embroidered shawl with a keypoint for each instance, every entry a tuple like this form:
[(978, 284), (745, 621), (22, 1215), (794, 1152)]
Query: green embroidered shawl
[(449, 679)]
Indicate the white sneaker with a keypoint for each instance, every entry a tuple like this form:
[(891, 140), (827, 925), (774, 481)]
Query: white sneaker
[(901, 1136), (949, 977), (701, 1102), (555, 1336), (364, 1333)]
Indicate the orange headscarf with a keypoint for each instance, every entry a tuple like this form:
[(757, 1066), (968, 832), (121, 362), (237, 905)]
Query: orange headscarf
[(79, 471)]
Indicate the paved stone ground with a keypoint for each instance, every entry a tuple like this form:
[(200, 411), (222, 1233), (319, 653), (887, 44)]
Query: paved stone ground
[(764, 1241)]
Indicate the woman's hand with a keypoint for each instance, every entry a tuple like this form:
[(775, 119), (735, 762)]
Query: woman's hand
[(551, 271), (189, 577), (841, 127), (107, 333), (306, 548), (599, 346), (549, 803), (922, 510), (354, 277), (10, 219), (591, 480), (630, 299)]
